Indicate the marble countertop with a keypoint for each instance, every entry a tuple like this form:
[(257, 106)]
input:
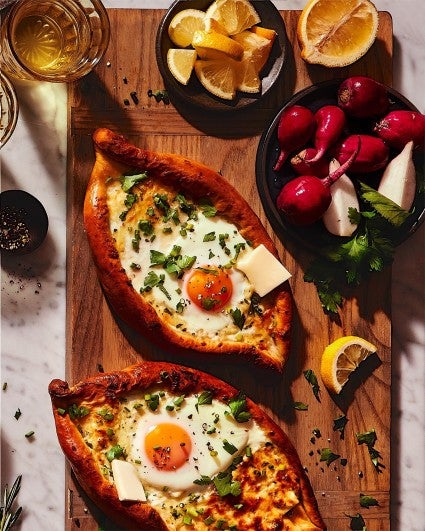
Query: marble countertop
[(33, 291)]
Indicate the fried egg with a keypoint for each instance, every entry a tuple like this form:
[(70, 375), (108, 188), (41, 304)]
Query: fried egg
[(186, 269), (173, 447)]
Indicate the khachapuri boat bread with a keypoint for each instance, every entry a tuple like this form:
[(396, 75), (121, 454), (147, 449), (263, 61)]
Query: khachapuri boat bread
[(159, 446), (182, 257)]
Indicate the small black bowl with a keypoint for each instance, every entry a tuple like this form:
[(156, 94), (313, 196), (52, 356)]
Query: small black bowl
[(23, 222), (269, 182), (194, 94)]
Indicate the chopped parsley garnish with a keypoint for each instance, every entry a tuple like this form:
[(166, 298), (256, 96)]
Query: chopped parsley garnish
[(146, 227), (77, 412), (153, 280), (238, 318), (369, 438), (152, 401), (209, 237), (205, 397), (128, 181), (106, 413), (300, 406), (207, 209), (225, 485), (17, 414), (239, 408), (229, 447), (204, 480), (159, 95), (255, 307), (312, 380), (135, 242), (208, 303), (115, 452), (328, 456)]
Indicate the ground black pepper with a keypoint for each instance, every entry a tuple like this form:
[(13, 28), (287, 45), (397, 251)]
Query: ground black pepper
[(14, 232)]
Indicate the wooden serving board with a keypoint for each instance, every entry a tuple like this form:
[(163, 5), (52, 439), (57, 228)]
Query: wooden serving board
[(96, 338)]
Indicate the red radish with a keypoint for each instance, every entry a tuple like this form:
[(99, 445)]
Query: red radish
[(363, 97), (305, 199), (372, 156), (330, 121), (398, 128), (302, 163), (296, 126)]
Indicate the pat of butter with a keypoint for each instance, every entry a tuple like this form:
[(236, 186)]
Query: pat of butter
[(127, 482), (263, 270)]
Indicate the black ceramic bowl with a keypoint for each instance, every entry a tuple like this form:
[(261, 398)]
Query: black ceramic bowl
[(23, 222), (194, 93), (269, 183)]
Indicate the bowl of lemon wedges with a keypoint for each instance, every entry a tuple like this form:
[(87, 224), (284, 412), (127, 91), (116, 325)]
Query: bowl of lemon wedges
[(221, 54)]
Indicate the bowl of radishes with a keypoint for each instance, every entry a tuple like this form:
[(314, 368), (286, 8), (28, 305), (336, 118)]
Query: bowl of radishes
[(339, 153)]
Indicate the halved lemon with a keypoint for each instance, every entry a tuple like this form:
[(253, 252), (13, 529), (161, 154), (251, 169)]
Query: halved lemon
[(213, 45), (218, 77), (256, 46), (234, 15), (181, 61), (341, 358), (184, 24), (336, 33)]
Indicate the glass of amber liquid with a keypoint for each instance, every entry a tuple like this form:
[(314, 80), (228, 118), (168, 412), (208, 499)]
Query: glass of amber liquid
[(53, 40)]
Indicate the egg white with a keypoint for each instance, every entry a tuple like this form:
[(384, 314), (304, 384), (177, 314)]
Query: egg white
[(208, 426), (208, 253)]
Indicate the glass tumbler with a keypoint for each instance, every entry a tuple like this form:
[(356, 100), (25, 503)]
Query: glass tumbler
[(53, 40), (8, 109)]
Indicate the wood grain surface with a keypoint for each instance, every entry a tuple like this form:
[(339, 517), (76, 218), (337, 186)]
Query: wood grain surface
[(95, 337)]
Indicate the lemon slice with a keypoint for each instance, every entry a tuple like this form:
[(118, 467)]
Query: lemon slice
[(181, 61), (211, 24), (184, 24), (341, 358), (213, 45), (267, 33), (218, 77), (234, 15), (336, 33), (256, 46)]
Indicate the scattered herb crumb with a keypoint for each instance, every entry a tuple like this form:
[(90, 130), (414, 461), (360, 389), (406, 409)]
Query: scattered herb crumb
[(4, 386), (133, 96), (300, 406), (312, 380), (316, 433), (369, 438), (339, 425), (100, 368), (368, 501), (30, 434), (17, 414), (328, 456), (159, 95), (357, 522), (126, 101), (125, 80)]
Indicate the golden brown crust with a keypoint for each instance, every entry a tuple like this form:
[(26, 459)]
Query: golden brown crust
[(114, 155), (109, 388)]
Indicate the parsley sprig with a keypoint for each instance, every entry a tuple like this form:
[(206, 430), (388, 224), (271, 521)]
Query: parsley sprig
[(371, 248)]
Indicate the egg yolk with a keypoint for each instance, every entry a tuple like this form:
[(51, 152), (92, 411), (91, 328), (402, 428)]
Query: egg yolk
[(168, 446), (210, 288)]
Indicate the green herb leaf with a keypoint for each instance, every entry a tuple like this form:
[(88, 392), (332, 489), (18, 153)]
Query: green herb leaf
[(225, 485), (17, 414), (300, 406), (206, 397), (114, 453), (238, 318), (204, 480), (128, 181), (157, 258), (78, 412), (8, 513), (209, 237), (208, 209), (152, 401), (312, 380), (229, 447), (357, 522), (386, 208), (106, 413), (339, 425), (239, 408), (368, 501), (328, 456), (368, 437)]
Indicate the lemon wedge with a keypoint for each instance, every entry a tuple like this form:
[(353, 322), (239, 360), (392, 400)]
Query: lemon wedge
[(341, 358), (181, 61), (218, 77), (213, 45), (184, 24), (234, 15), (336, 33)]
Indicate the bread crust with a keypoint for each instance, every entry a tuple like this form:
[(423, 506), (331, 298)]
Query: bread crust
[(108, 388), (114, 154)]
